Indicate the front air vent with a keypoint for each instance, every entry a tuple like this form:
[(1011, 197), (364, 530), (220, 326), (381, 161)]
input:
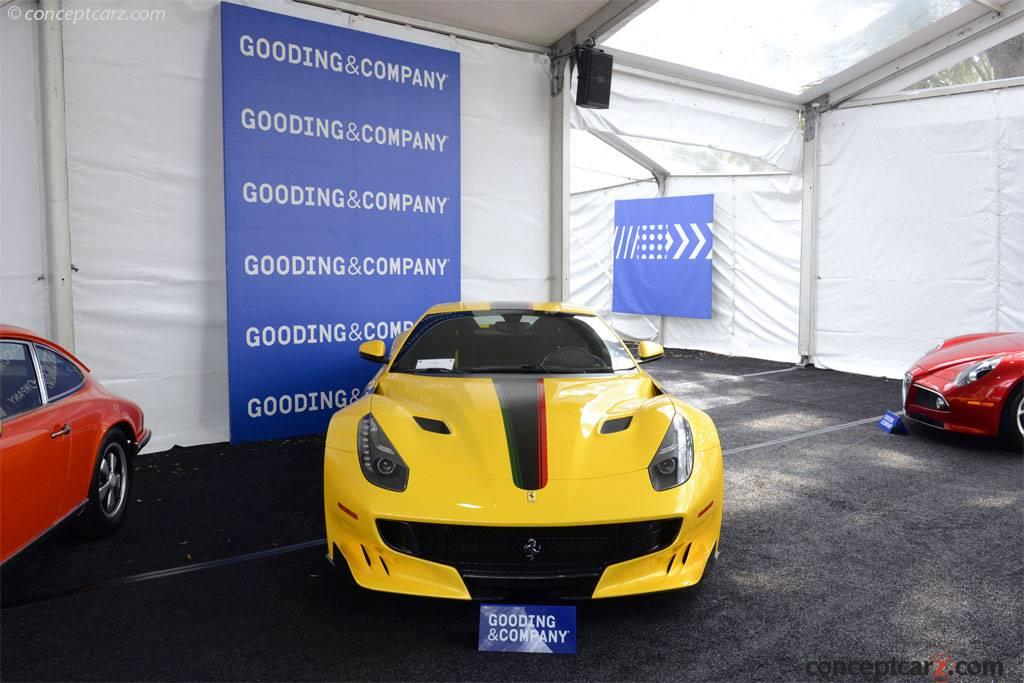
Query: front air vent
[(435, 426), (617, 424), (513, 551)]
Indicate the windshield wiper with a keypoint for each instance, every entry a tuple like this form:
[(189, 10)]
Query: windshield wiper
[(508, 368), (539, 369), (580, 371), (523, 369), (435, 371)]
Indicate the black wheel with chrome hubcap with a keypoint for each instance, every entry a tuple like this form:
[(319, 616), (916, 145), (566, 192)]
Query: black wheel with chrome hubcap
[(109, 489), (1012, 426)]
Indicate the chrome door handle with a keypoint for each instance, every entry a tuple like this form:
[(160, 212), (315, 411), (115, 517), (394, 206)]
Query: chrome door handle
[(66, 429)]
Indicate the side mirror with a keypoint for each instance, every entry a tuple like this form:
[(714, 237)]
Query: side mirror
[(374, 351), (649, 351)]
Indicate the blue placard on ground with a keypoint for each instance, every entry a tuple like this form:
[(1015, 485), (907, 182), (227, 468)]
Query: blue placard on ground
[(662, 256), (545, 629), (892, 423), (342, 207)]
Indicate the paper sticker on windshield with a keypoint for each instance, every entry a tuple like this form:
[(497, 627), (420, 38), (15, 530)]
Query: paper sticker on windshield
[(435, 364)]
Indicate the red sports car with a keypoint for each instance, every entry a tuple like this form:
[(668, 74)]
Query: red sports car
[(970, 384), (66, 444)]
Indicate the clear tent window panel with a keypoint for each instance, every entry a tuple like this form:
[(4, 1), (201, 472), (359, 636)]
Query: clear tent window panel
[(595, 165), (1001, 61), (786, 45), (687, 160)]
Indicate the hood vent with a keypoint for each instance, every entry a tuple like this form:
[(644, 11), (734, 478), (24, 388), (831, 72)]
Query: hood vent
[(617, 424), (429, 425)]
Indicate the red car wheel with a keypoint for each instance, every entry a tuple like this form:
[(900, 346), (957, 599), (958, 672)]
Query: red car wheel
[(109, 489), (1012, 428)]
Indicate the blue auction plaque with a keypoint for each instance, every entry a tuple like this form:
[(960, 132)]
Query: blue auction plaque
[(342, 208), (543, 629)]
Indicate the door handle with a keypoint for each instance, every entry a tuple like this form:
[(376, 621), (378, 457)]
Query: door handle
[(66, 429)]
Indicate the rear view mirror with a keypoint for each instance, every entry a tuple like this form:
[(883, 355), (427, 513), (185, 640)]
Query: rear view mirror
[(649, 351), (374, 351)]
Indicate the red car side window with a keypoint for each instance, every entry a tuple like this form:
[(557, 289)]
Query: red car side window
[(19, 389), (60, 375)]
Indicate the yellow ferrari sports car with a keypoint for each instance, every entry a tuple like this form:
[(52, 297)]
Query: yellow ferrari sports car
[(512, 448)]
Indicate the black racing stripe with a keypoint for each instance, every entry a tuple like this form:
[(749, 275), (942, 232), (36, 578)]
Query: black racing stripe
[(518, 398)]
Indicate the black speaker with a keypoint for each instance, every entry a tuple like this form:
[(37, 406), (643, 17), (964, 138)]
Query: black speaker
[(594, 85)]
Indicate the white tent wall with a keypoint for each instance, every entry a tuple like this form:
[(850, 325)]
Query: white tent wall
[(756, 256), (661, 110), (920, 229), (591, 217), (755, 293), (22, 247), (146, 195)]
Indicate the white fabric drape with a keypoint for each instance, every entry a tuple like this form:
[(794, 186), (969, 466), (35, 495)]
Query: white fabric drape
[(22, 247), (650, 108), (921, 227)]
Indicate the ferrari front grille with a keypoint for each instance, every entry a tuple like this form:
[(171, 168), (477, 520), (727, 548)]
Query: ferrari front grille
[(529, 551)]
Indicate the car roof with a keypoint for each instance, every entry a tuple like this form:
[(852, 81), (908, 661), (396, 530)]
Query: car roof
[(20, 333), (8, 331), (541, 306)]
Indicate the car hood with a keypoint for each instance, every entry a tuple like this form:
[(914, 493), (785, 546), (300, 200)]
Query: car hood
[(528, 428), (971, 348)]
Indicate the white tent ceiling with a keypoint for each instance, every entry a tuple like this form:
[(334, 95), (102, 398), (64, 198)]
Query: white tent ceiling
[(793, 52), (533, 21), (794, 48)]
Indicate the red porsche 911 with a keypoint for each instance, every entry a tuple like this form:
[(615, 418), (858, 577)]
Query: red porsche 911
[(66, 444), (970, 384)]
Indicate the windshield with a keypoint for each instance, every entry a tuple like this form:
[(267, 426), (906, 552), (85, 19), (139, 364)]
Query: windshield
[(510, 342)]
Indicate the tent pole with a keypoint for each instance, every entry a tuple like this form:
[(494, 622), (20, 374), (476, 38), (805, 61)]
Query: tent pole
[(809, 232), (560, 104), (55, 179)]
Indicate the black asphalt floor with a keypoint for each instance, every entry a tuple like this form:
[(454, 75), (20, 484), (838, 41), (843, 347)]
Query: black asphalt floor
[(846, 545)]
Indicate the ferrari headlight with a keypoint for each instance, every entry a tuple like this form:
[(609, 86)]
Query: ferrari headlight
[(673, 462), (381, 464), (975, 371)]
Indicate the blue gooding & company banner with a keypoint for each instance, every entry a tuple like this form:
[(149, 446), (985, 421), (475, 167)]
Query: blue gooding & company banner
[(341, 193)]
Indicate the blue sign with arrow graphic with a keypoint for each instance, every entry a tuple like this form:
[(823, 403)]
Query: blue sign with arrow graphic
[(662, 251)]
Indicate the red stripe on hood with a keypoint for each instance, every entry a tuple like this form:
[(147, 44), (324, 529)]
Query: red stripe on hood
[(542, 434)]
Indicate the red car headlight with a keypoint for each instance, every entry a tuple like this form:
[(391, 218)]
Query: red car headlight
[(975, 371)]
